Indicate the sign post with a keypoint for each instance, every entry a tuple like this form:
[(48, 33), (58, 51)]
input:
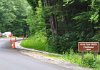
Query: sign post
[(88, 46)]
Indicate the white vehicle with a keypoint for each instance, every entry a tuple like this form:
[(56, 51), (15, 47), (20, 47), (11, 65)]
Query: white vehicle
[(7, 34)]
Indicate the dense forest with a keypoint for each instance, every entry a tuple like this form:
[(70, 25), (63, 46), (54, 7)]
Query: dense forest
[(13, 15), (63, 22)]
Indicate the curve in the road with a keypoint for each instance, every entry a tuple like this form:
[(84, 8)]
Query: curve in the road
[(11, 59)]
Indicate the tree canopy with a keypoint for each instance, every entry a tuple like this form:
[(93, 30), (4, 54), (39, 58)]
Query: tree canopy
[(13, 15)]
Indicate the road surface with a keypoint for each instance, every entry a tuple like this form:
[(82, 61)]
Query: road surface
[(11, 59)]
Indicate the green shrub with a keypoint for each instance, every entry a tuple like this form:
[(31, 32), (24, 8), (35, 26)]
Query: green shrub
[(98, 63), (73, 57), (38, 42), (96, 38), (89, 60), (63, 43)]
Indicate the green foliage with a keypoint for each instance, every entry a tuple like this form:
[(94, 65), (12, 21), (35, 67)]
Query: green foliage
[(61, 44), (40, 22), (30, 22), (69, 57), (98, 63), (96, 38), (67, 2), (37, 41), (13, 15), (36, 19), (89, 60)]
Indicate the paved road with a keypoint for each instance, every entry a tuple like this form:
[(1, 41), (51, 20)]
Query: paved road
[(11, 59)]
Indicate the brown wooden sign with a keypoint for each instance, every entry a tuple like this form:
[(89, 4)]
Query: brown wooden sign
[(88, 46)]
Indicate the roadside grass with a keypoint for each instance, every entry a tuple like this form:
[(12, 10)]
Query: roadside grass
[(39, 42), (97, 63), (76, 58), (73, 58)]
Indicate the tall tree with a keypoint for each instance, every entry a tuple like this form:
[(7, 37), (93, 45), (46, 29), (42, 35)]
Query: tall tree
[(13, 14)]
